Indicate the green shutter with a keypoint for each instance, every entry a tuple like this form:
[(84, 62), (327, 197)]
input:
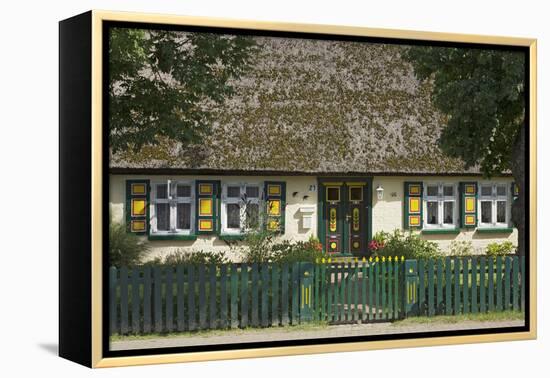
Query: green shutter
[(137, 206), (468, 204), (275, 203), (207, 206), (412, 214)]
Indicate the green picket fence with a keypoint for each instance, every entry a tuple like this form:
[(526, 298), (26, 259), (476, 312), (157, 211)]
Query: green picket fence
[(464, 285), (185, 298), (164, 299)]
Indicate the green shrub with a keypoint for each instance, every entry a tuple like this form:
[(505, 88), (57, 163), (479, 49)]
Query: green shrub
[(500, 249), (407, 244), (461, 248), (179, 257), (125, 249), (257, 246), (261, 246)]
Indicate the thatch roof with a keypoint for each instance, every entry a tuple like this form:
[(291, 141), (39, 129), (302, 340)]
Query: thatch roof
[(317, 106)]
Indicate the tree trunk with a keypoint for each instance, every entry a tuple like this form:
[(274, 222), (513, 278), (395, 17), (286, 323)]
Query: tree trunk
[(519, 205)]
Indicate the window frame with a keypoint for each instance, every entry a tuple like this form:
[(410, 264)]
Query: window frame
[(172, 201), (494, 198), (242, 205), (441, 199)]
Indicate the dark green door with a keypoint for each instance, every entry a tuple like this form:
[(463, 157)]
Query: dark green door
[(345, 222)]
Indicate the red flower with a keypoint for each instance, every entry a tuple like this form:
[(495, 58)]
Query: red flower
[(375, 245)]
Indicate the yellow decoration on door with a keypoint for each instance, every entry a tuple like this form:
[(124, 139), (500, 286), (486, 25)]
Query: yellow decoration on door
[(138, 207), (356, 219), (333, 245), (332, 220), (470, 220), (356, 245), (205, 206)]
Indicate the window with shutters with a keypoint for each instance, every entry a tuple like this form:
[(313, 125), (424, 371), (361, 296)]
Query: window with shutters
[(493, 205), (440, 201), (172, 208), (240, 207)]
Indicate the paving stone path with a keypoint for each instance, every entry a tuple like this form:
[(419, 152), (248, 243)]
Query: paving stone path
[(289, 333)]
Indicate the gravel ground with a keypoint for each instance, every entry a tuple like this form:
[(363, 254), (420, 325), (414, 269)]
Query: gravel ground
[(289, 333)]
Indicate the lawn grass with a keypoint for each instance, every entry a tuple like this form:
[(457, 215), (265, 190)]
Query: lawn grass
[(311, 326), (450, 319)]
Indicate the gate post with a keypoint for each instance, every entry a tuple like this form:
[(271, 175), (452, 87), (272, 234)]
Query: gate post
[(306, 291), (410, 291)]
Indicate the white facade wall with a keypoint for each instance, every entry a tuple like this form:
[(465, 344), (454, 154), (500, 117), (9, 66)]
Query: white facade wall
[(387, 214)]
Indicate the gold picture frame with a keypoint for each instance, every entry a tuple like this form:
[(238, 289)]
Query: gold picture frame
[(95, 20)]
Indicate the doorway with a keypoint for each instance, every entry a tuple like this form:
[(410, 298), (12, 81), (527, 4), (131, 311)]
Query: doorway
[(345, 214)]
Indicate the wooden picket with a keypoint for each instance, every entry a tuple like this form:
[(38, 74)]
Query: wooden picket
[(275, 295), (482, 282), (448, 287), (473, 285)]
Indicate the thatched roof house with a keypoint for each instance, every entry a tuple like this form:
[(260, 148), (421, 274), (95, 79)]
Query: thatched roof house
[(331, 139)]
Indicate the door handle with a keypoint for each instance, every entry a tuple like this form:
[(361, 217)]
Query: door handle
[(348, 217)]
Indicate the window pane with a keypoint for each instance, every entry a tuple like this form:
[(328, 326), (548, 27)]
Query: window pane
[(501, 211), (184, 191), (233, 215), (486, 210), (448, 212), (355, 194), (252, 192), (163, 216), (432, 213), (448, 190), (184, 216), (432, 190), (486, 190), (333, 194), (162, 191), (252, 215), (501, 190), (233, 192)]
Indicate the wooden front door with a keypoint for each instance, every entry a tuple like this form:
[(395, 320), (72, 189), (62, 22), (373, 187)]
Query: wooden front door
[(345, 223)]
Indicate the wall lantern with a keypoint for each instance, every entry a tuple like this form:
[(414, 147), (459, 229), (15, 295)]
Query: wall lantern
[(380, 192)]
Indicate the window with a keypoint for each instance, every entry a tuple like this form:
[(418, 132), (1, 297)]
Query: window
[(240, 207), (172, 204), (493, 204), (440, 200)]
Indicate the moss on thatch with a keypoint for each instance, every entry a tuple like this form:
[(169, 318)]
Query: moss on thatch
[(321, 107)]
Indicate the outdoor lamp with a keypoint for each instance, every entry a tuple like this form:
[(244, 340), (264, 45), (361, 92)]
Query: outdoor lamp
[(379, 192)]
